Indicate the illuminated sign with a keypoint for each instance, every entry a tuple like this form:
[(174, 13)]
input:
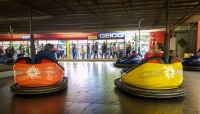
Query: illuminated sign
[(25, 37), (111, 35), (92, 37)]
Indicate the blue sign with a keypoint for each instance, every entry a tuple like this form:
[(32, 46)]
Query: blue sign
[(61, 42), (111, 35)]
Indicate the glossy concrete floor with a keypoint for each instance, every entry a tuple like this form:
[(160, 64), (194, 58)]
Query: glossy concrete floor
[(91, 91)]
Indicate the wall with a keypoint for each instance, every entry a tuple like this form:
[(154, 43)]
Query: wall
[(192, 40), (180, 50), (187, 37)]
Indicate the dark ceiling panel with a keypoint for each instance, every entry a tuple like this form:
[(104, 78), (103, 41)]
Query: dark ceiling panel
[(95, 15)]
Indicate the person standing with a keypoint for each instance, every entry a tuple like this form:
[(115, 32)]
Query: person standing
[(74, 51), (92, 52), (62, 51), (27, 51), (83, 52), (21, 48), (115, 51), (88, 51), (111, 50), (104, 50), (42, 47), (95, 51), (128, 49), (58, 51)]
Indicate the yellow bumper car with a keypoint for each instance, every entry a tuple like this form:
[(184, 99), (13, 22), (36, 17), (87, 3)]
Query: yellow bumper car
[(153, 78), (44, 76)]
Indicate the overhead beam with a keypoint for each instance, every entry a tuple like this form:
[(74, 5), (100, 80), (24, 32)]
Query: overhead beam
[(184, 2), (157, 2), (97, 4), (193, 25), (68, 8), (21, 19), (3, 9), (22, 4), (186, 16), (124, 5), (131, 4), (161, 16), (86, 7)]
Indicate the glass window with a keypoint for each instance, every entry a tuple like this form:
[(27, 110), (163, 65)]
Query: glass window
[(80, 44), (62, 44), (6, 44), (42, 42), (54, 42)]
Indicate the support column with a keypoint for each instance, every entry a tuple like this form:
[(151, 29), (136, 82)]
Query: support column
[(31, 33), (67, 49), (198, 36)]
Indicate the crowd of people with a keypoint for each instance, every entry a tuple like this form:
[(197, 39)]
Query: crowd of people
[(94, 51), (8, 52), (104, 51)]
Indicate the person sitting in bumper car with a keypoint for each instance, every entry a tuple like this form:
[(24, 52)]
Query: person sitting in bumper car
[(48, 52), (157, 51)]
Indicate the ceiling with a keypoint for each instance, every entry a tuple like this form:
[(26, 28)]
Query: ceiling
[(57, 16)]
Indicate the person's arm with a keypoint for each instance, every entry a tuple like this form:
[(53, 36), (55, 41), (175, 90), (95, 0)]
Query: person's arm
[(53, 57), (147, 55)]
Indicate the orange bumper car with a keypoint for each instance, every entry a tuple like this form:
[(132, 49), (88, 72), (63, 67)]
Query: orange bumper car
[(44, 76)]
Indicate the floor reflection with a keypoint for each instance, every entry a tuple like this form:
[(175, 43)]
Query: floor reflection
[(91, 90)]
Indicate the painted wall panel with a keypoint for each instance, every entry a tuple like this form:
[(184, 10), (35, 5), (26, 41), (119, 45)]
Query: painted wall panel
[(157, 36), (181, 48), (192, 41)]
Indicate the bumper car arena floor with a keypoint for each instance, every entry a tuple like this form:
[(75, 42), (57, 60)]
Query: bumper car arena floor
[(91, 90)]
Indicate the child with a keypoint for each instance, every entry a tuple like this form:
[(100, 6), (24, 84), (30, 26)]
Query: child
[(48, 52), (133, 53), (157, 51), (82, 52)]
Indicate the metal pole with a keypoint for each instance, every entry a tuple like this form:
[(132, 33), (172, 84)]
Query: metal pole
[(135, 42), (31, 34), (188, 45), (139, 35), (166, 51), (11, 36), (139, 39)]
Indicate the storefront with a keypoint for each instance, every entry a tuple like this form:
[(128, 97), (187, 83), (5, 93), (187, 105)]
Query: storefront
[(41, 39), (66, 41)]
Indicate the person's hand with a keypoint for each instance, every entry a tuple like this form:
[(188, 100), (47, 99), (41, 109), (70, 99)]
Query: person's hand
[(150, 51)]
